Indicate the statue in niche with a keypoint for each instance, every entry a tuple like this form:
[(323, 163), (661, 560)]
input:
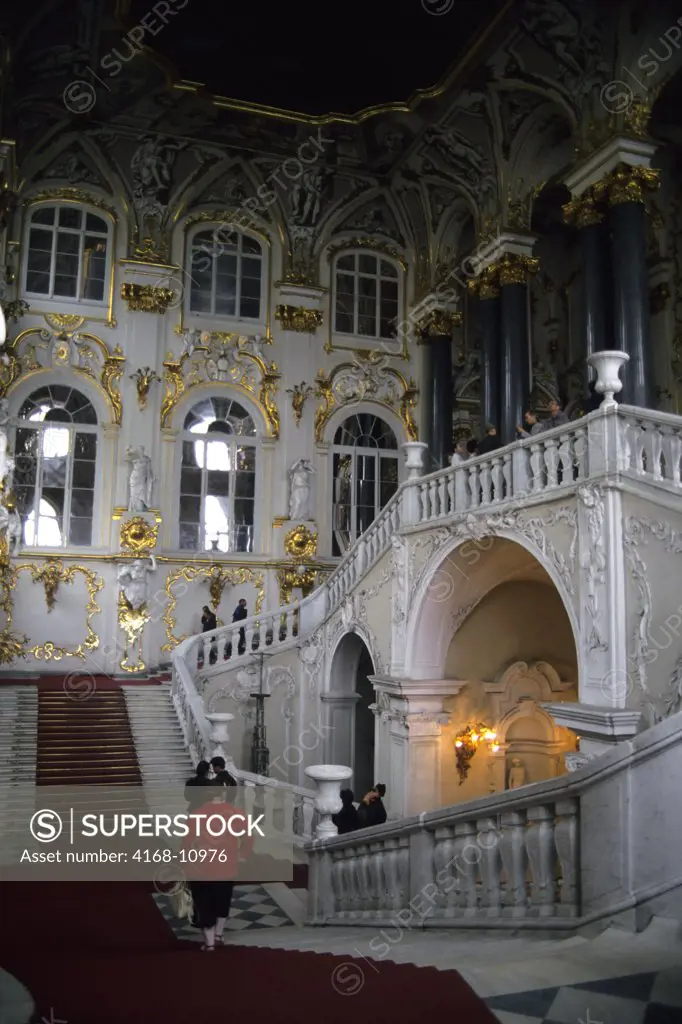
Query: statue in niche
[(299, 494), (133, 581), (141, 480), (517, 774)]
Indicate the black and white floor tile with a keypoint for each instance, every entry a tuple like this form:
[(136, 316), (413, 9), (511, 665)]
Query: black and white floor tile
[(653, 998), (252, 907)]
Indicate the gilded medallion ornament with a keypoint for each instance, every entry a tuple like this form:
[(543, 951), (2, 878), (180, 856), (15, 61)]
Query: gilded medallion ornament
[(301, 542), (138, 537), (146, 298), (299, 319)]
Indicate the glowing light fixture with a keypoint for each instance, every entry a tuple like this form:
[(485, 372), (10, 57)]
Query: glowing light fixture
[(467, 743)]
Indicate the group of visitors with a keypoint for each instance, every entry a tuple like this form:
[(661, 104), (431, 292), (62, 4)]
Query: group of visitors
[(209, 622), (369, 812), (491, 441)]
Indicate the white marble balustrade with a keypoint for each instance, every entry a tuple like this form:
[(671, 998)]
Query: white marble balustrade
[(505, 868)]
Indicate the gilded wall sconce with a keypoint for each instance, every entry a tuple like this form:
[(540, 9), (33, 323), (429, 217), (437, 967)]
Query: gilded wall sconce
[(299, 393), (467, 743), (144, 378)]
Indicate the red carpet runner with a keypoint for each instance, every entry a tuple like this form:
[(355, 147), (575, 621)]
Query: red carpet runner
[(103, 954)]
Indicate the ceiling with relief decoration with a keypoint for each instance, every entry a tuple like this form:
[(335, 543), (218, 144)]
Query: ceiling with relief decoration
[(313, 59)]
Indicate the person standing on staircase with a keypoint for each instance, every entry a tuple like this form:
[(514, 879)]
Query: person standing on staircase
[(221, 776), (209, 622), (241, 613), (372, 811), (193, 796)]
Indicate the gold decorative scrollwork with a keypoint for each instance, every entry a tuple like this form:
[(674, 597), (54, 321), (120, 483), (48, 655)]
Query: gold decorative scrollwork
[(69, 195), (368, 243), (50, 575), (365, 380), (217, 576), (22, 360), (261, 391), (138, 536), (295, 578), (301, 542)]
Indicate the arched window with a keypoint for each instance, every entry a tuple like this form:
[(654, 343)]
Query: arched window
[(67, 254), (365, 470), (365, 296), (226, 275), (218, 477), (55, 452)]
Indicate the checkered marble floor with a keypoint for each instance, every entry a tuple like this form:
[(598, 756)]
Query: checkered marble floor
[(252, 907), (652, 998)]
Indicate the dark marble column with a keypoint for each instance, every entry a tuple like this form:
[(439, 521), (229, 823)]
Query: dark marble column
[(438, 390), (630, 285), (514, 348), (596, 329), (490, 355)]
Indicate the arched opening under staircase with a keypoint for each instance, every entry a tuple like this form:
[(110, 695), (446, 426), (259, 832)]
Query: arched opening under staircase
[(491, 619), (348, 700)]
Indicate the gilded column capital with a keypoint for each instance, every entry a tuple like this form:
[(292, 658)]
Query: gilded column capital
[(486, 285), (514, 269), (440, 323), (583, 211), (626, 184)]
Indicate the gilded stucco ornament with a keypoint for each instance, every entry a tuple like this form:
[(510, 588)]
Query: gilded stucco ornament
[(367, 379), (138, 537), (220, 358), (301, 542), (51, 575), (299, 396), (292, 578), (146, 298), (40, 349), (627, 184), (144, 377), (299, 318)]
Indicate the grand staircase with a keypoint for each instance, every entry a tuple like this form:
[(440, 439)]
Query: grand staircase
[(161, 752), (84, 738)]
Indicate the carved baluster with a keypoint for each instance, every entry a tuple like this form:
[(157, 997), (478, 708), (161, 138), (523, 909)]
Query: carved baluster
[(461, 487), (674, 458), (451, 490), (486, 483), (578, 456), (474, 486), (403, 867), (536, 467), (433, 498), (656, 452), (543, 860), (308, 815), (566, 839), (378, 870), (551, 464), (440, 870), (465, 868), (497, 478), (443, 492), (515, 862), (360, 855), (338, 884), (423, 492), (488, 840), (507, 475)]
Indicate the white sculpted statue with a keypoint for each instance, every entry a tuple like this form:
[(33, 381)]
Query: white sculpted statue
[(132, 578), (299, 493), (141, 480), (517, 774)]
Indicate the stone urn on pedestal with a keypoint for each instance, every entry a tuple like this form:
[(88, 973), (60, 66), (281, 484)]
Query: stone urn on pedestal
[(415, 452), (219, 721), (329, 779), (608, 366)]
